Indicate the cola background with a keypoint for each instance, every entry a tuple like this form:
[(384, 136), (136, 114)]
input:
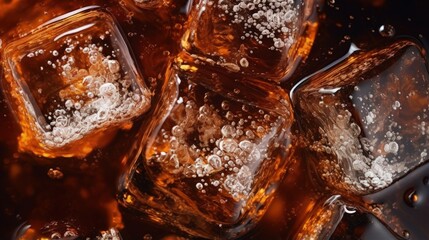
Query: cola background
[(28, 193)]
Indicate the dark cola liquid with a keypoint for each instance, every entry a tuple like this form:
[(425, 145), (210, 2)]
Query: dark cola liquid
[(75, 197)]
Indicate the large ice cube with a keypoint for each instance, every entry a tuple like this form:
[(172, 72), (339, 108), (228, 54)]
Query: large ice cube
[(366, 119), (262, 39), (71, 82), (210, 163)]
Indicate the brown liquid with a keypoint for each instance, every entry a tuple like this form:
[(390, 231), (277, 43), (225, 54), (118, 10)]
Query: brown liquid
[(77, 196)]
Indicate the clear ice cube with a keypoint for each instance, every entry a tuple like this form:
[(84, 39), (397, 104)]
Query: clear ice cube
[(366, 119), (71, 82), (212, 163), (262, 39)]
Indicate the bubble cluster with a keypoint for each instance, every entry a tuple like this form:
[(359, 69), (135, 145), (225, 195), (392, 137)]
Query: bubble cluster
[(365, 139), (111, 234), (343, 141), (97, 95), (265, 19), (220, 148)]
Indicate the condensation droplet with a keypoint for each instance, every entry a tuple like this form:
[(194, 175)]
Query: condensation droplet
[(406, 234), (411, 197)]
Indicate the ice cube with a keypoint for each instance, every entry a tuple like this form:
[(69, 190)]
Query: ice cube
[(71, 82), (366, 118), (262, 39), (212, 162)]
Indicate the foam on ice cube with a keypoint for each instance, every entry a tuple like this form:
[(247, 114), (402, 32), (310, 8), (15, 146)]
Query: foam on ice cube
[(366, 119), (69, 81)]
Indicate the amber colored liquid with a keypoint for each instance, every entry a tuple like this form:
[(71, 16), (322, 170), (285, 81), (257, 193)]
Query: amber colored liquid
[(83, 200)]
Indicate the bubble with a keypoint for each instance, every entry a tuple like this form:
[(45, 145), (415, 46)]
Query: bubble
[(391, 147), (228, 131), (77, 105), (177, 131), (228, 145), (225, 105), (250, 134), (113, 66), (69, 104), (55, 174), (147, 236), (244, 63), (199, 186), (56, 235), (387, 30), (406, 234), (109, 93), (396, 105), (215, 161), (246, 145)]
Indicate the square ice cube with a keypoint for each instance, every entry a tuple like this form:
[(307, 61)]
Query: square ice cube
[(261, 39), (210, 164), (366, 118), (71, 80)]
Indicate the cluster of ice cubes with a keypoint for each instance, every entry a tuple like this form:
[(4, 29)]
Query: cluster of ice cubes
[(365, 119)]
